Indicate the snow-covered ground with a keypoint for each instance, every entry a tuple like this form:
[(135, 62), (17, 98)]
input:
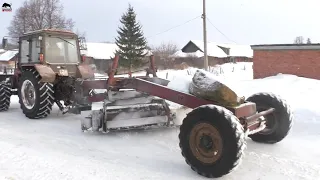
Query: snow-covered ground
[(56, 148)]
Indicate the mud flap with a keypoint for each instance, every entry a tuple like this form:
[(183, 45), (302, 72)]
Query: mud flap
[(86, 71), (46, 73)]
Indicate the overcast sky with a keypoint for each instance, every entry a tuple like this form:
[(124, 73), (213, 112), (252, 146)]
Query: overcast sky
[(242, 21)]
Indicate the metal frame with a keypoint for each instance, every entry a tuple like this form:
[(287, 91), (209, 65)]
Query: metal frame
[(155, 86)]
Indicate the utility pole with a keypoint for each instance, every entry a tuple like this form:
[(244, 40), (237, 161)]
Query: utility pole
[(204, 16)]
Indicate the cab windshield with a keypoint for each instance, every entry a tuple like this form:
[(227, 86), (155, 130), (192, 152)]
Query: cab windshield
[(61, 50)]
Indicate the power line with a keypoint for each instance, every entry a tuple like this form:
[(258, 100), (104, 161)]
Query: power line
[(175, 27), (220, 31)]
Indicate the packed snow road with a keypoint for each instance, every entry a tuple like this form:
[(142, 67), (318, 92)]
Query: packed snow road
[(56, 148)]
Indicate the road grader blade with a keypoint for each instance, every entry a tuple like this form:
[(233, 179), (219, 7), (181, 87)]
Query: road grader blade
[(128, 109)]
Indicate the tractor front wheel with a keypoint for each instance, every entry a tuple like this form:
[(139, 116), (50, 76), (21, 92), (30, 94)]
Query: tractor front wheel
[(36, 98), (278, 123), (212, 141)]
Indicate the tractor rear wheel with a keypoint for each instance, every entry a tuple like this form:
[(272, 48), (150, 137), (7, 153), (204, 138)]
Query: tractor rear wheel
[(278, 123), (212, 141), (5, 95), (36, 98)]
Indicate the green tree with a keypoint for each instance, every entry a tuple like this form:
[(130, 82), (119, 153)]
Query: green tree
[(130, 41)]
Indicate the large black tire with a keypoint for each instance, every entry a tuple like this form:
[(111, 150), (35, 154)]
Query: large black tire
[(224, 128), (278, 123), (44, 95), (5, 95)]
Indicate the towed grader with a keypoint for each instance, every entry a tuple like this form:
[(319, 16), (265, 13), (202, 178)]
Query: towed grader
[(212, 136)]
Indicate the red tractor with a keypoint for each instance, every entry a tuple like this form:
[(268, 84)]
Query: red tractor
[(212, 136)]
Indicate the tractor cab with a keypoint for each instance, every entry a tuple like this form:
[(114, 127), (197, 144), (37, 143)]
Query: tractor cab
[(49, 47), (56, 48)]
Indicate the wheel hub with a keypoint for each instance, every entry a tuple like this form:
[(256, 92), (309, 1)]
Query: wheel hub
[(206, 143), (28, 94)]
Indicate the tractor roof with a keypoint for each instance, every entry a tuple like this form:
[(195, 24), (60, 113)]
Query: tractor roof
[(50, 31)]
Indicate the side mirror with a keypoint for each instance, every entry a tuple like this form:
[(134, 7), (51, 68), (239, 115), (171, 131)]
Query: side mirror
[(4, 43)]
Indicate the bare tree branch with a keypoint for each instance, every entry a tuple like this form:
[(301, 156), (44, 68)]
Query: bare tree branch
[(164, 50), (39, 14), (299, 40)]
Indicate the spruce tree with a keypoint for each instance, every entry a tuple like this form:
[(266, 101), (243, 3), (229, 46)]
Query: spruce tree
[(308, 41), (130, 41)]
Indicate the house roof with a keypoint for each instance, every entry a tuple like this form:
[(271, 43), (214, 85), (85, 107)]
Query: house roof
[(8, 55), (238, 50), (212, 49), (101, 50), (183, 54), (215, 50)]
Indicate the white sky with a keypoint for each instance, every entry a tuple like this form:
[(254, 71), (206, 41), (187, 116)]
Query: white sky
[(243, 21)]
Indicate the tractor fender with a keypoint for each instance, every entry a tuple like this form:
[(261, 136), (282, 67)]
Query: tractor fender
[(85, 71), (46, 73)]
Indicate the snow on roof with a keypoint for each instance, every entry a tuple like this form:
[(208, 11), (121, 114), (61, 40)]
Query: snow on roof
[(212, 48), (2, 51), (238, 50), (215, 49), (103, 50), (8, 55), (183, 54)]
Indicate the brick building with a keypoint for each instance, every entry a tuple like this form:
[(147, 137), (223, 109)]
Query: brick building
[(298, 59)]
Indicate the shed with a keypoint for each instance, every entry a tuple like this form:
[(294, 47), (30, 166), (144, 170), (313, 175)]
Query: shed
[(101, 54), (298, 59), (218, 53), (7, 60)]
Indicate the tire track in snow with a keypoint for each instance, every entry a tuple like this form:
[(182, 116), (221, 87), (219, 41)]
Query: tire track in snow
[(296, 169)]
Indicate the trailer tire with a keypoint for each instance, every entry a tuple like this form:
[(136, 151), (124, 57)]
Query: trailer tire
[(43, 95), (228, 135), (5, 96), (278, 123)]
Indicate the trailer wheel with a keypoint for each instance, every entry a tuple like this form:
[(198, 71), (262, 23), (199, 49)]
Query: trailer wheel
[(5, 95), (35, 98), (278, 123), (212, 141)]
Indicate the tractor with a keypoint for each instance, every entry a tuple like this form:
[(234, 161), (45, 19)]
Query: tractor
[(46, 72)]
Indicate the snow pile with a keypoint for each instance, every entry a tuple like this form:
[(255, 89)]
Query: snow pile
[(180, 83)]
